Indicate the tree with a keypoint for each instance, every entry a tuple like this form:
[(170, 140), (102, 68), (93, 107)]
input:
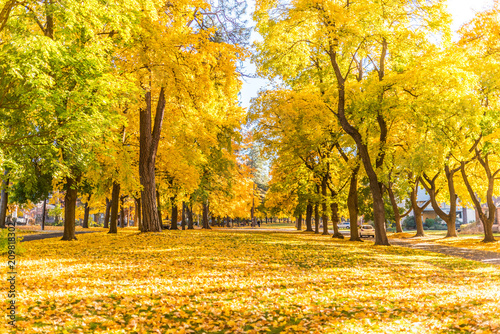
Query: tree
[(68, 86), (359, 42)]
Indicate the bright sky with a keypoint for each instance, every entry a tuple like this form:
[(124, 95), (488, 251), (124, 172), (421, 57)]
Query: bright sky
[(461, 10)]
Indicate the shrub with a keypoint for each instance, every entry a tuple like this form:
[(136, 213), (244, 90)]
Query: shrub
[(429, 223), (409, 223)]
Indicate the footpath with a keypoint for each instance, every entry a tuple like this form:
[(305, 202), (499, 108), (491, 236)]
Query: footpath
[(466, 253), (31, 237)]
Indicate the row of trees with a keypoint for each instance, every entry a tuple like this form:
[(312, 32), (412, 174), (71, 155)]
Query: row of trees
[(106, 100), (372, 100)]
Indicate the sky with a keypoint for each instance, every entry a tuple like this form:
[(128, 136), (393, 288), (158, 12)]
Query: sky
[(461, 10)]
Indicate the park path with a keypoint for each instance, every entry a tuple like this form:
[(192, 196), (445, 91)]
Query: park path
[(45, 235), (465, 253)]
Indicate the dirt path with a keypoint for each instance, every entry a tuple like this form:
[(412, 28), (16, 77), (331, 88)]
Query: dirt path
[(466, 253), (31, 237)]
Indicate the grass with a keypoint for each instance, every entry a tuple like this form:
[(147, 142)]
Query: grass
[(248, 282)]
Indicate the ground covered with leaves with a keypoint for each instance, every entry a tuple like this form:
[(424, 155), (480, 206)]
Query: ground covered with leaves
[(248, 282)]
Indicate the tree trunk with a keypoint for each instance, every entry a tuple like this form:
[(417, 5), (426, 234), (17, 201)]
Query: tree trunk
[(175, 213), (395, 208), (205, 216), (106, 214), (190, 217), (136, 213), (352, 205), (70, 208), (451, 217), (299, 222), (115, 197), (417, 212), (148, 143), (335, 221), (309, 213), (375, 186), (158, 206), (122, 213), (488, 218), (44, 213), (139, 214), (86, 214), (4, 198), (324, 217), (316, 218), (183, 218)]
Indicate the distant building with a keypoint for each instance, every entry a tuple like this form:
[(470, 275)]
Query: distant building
[(496, 222), (464, 215)]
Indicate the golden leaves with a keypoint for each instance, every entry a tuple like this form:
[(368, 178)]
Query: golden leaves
[(209, 281)]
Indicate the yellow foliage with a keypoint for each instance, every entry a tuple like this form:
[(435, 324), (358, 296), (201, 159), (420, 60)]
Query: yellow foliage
[(215, 281)]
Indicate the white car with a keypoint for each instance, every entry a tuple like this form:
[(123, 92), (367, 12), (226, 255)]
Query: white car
[(344, 226), (366, 231)]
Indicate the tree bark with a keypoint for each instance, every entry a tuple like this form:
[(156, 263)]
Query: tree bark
[(417, 210), (4, 198), (324, 211), (139, 214), (106, 214), (451, 217), (136, 213), (417, 213), (158, 206), (395, 208), (175, 213), (115, 197), (205, 216), (148, 143), (190, 217), (488, 218), (316, 218), (70, 208), (122, 212), (299, 222), (375, 185), (86, 213), (183, 218), (309, 213), (335, 221), (352, 205)]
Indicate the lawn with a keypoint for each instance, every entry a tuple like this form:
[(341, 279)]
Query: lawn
[(248, 282)]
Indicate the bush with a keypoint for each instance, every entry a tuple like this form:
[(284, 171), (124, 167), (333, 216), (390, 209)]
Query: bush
[(429, 223), (409, 223)]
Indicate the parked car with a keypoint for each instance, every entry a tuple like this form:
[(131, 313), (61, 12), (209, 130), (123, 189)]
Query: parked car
[(366, 231), (344, 226), (21, 221)]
